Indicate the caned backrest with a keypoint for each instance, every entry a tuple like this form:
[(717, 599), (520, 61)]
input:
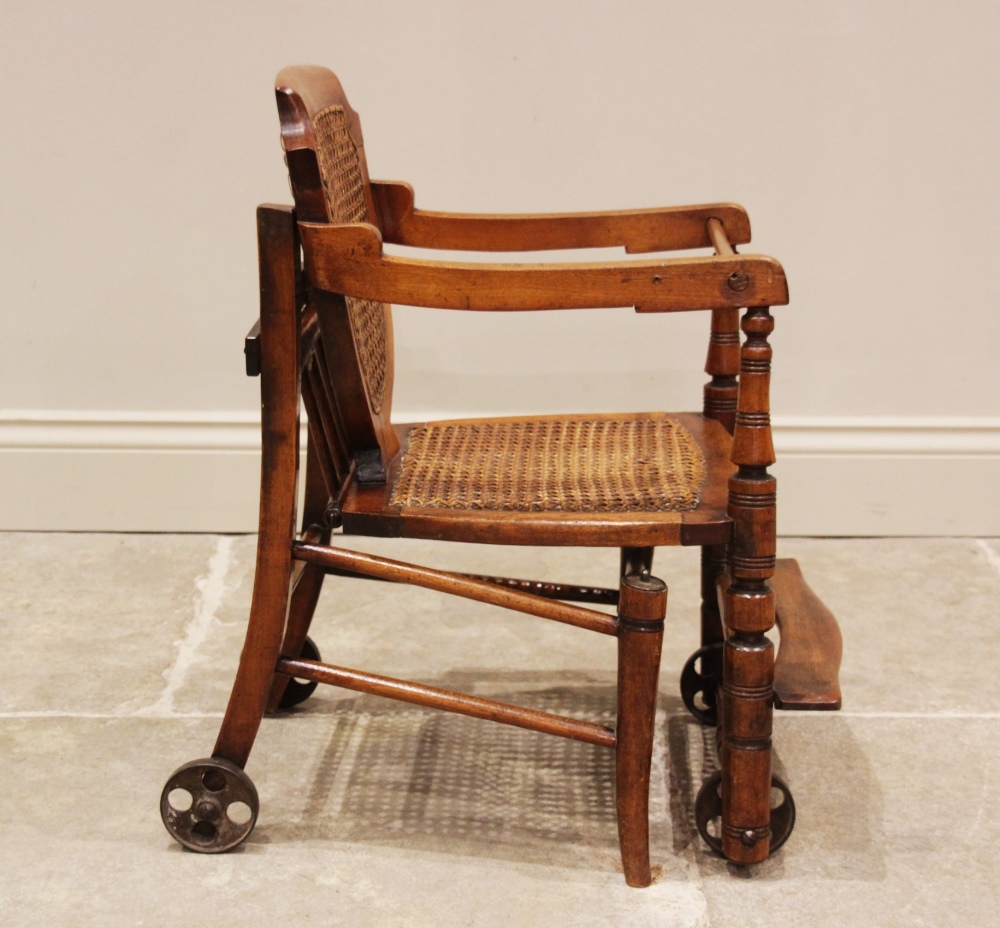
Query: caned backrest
[(324, 151)]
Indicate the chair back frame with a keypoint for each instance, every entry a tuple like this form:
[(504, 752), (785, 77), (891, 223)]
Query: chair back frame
[(324, 151)]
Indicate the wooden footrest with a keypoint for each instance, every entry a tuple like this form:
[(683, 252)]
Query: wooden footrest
[(806, 669)]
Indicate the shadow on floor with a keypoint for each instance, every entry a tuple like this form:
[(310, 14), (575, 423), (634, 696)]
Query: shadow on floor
[(397, 775), (837, 834)]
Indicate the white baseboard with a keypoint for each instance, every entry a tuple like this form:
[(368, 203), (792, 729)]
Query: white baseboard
[(199, 472)]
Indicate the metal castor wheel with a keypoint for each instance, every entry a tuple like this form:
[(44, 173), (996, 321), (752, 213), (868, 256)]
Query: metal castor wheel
[(300, 690), (209, 805), (708, 812), (700, 681)]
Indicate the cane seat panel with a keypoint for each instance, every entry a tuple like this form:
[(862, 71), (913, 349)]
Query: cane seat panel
[(675, 492), (635, 463)]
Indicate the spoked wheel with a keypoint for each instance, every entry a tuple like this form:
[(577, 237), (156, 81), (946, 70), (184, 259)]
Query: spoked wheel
[(700, 681), (209, 805), (300, 690), (708, 812)]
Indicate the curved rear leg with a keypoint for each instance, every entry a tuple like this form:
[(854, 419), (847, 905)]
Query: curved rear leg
[(278, 248), (305, 596)]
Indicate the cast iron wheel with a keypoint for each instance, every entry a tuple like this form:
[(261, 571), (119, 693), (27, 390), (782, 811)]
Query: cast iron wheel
[(300, 690), (209, 805), (701, 677), (708, 812)]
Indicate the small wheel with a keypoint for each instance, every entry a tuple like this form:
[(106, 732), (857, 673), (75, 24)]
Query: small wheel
[(300, 690), (701, 677), (708, 812), (209, 805)]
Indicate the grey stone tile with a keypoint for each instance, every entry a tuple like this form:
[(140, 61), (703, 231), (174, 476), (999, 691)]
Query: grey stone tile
[(896, 826), (376, 813), (353, 830), (89, 622), (203, 685), (918, 616)]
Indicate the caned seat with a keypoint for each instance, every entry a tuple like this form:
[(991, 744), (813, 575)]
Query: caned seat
[(645, 477), (629, 481)]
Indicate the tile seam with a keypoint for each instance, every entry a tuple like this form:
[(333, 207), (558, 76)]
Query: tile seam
[(211, 588), (991, 555)]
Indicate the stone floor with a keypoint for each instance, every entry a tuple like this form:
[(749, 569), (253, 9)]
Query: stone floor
[(119, 651)]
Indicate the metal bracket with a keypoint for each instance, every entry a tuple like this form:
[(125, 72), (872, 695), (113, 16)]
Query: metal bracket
[(251, 349)]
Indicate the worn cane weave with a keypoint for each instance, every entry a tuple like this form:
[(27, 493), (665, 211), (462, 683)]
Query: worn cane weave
[(340, 169), (640, 463)]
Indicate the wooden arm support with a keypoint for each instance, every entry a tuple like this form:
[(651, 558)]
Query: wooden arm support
[(638, 230), (348, 259)]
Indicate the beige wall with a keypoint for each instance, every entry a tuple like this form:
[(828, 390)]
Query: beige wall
[(862, 137)]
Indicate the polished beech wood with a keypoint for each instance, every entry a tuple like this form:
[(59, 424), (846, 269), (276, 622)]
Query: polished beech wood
[(563, 591), (748, 655), (720, 236), (307, 579), (641, 609), (318, 345), (279, 342), (807, 666), (723, 361), (435, 698), (635, 561), (723, 364), (637, 230), (370, 438), (320, 437), (368, 511), (303, 93), (456, 585), (713, 567), (349, 259)]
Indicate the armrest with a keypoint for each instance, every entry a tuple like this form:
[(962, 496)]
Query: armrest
[(638, 230), (348, 259)]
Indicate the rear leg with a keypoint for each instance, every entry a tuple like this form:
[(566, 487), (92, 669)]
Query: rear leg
[(223, 800), (286, 692)]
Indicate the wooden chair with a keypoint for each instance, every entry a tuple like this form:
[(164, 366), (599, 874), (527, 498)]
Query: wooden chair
[(629, 481)]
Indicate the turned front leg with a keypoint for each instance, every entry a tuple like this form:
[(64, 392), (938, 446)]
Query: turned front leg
[(748, 657), (641, 610)]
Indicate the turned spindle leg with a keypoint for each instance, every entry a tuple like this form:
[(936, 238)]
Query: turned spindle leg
[(723, 364), (641, 609), (748, 658), (635, 561)]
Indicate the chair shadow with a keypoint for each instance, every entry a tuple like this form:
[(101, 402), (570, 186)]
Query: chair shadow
[(396, 775), (838, 829)]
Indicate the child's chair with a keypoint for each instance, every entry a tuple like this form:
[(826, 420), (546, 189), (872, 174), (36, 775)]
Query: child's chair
[(630, 481)]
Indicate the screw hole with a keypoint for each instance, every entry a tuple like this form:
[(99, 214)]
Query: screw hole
[(738, 280)]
